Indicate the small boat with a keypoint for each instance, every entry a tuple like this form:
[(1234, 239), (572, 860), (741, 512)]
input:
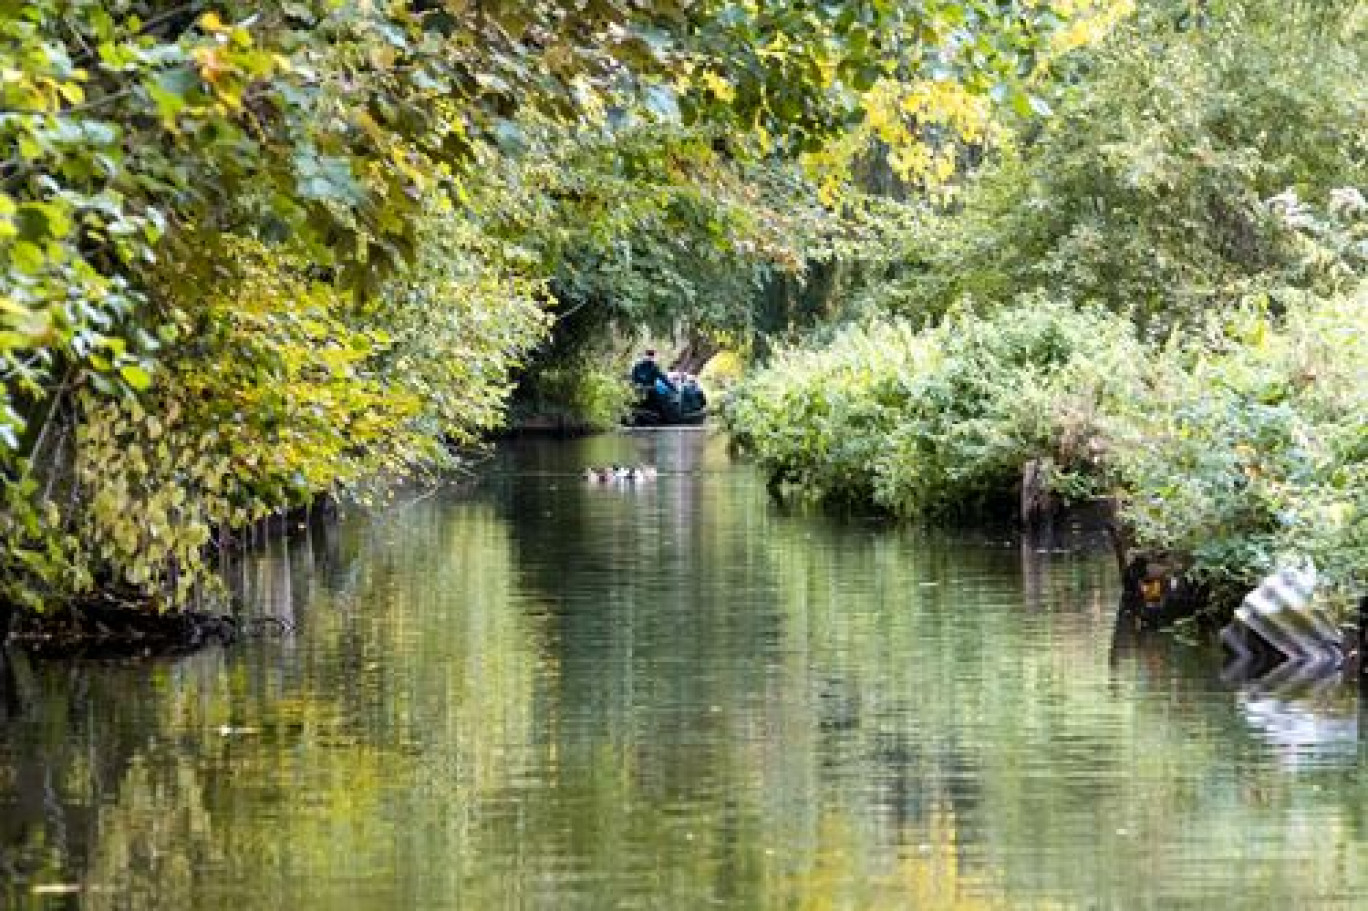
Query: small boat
[(689, 407), (652, 417)]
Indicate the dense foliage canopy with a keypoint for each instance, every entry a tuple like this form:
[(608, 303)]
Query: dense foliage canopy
[(1161, 184), (253, 252), (257, 252)]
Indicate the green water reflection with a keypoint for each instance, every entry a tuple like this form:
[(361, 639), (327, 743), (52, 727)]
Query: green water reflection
[(545, 694)]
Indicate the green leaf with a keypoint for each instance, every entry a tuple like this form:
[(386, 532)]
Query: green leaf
[(136, 376), (27, 257)]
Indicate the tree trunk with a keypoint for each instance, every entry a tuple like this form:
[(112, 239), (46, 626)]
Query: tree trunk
[(695, 354), (1038, 504)]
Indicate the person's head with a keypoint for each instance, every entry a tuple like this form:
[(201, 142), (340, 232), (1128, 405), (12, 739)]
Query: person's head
[(650, 354)]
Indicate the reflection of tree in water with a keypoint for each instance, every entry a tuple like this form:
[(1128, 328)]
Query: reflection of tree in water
[(850, 591), (655, 600), (66, 756), (685, 626), (278, 576), (527, 698), (1248, 733), (281, 775)]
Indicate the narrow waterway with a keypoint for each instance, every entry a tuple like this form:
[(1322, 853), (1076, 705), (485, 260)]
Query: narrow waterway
[(540, 693)]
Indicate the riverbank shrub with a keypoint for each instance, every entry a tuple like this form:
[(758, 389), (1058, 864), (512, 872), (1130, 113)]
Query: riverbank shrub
[(943, 419), (1031, 382), (819, 417), (1202, 177), (1250, 448), (581, 395), (1238, 445)]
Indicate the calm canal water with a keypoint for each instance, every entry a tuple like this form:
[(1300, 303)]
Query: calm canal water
[(544, 694)]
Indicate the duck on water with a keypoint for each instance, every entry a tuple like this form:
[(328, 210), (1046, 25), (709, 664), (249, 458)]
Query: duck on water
[(618, 474)]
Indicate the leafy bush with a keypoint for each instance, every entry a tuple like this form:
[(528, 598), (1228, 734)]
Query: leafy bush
[(585, 392), (1237, 446), (943, 419), (819, 418), (1251, 448)]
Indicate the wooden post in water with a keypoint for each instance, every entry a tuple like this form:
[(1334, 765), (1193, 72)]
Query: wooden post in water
[(1362, 641), (1038, 504), (1363, 677)]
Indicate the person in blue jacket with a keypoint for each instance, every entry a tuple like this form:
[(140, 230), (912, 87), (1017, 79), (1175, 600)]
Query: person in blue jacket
[(647, 373)]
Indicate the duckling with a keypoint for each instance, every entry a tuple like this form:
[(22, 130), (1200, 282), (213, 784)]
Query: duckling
[(595, 475), (646, 472)]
